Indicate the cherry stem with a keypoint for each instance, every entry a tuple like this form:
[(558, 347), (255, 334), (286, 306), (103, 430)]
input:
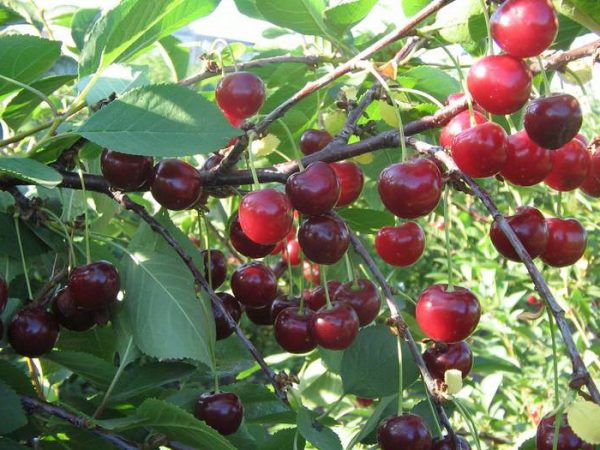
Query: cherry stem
[(323, 273), (486, 17), (436, 421), (33, 374), (290, 272), (447, 235), (332, 407), (559, 204), (554, 357), (545, 79), (251, 137), (71, 253), (86, 231), (297, 151), (511, 124), (557, 424), (469, 420), (208, 267), (349, 269), (29, 291), (400, 376), (301, 285)]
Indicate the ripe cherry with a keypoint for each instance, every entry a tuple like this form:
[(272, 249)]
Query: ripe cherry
[(234, 309), (313, 141), (292, 330), (254, 285), (69, 315), (458, 124), (126, 172), (94, 285), (176, 184), (442, 357), (480, 151), (311, 272), (280, 303), (244, 244), (567, 439), (240, 95), (291, 253), (362, 295), (351, 180), (591, 185), (3, 294), (335, 328), (266, 216), (407, 431), (570, 166), (447, 316), (323, 239), (402, 245), (448, 444), (595, 163), (364, 402), (500, 84), (526, 162), (553, 121), (315, 298), (260, 316), (33, 332), (217, 265), (223, 411), (410, 189), (530, 227), (567, 240), (315, 190)]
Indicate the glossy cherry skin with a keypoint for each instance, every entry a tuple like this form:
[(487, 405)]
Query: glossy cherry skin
[(176, 184), (126, 172), (254, 285), (567, 439), (441, 357), (292, 330), (362, 296), (591, 185), (530, 227), (260, 316), (407, 431), (223, 411), (335, 328), (313, 141), (323, 239), (316, 296), (447, 444), (311, 272), (240, 95), (458, 124), (94, 285), (315, 190), (280, 303), (447, 317), (567, 240), (234, 309), (244, 244), (3, 294), (217, 265), (570, 166), (33, 332), (500, 84), (69, 315), (526, 162), (291, 253), (524, 28), (351, 180), (400, 246), (480, 151), (553, 121), (410, 189), (266, 216)]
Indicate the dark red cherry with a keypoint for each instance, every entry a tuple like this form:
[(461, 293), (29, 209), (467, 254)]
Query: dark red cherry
[(291, 252), (292, 330), (595, 164), (280, 303), (260, 316), (480, 151), (335, 328), (553, 121), (244, 244), (570, 166), (69, 315), (126, 172), (567, 439), (315, 298), (442, 357), (447, 316), (323, 239), (254, 284), (524, 28), (351, 180), (33, 332), (500, 84), (458, 124), (402, 245), (234, 309), (447, 443), (266, 216), (94, 285), (311, 272), (407, 431), (315, 190), (567, 240), (218, 267), (176, 184), (526, 162), (529, 225), (313, 141), (591, 185), (240, 95), (223, 411), (3, 294), (410, 189), (362, 296), (364, 402)]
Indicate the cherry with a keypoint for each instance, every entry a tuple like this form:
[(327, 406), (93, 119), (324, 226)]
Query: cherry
[(254, 285), (567, 240), (217, 266), (211, 163), (240, 95), (176, 184), (448, 444), (595, 163), (364, 402), (33, 332), (280, 303), (442, 357), (234, 309), (501, 84), (553, 121), (407, 431), (335, 328), (458, 124), (524, 28), (223, 411), (94, 285), (351, 180), (292, 330), (260, 316), (526, 162), (530, 227), (410, 189), (3, 294), (69, 315), (591, 185), (311, 272), (265, 216), (323, 239), (244, 244), (362, 295), (480, 151), (126, 172), (567, 439), (457, 97), (315, 190), (313, 140), (291, 253), (447, 316), (402, 245), (315, 298), (570, 166)]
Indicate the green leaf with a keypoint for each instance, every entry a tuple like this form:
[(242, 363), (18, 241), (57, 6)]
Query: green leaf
[(160, 120), (83, 19), (373, 420), (9, 17), (30, 170), (568, 30), (433, 81), (176, 57), (260, 404), (284, 439), (99, 341), (115, 79), (15, 378), (303, 16), (248, 8), (411, 7), (32, 245), (345, 15), (586, 12), (9, 444), (96, 370), (455, 22), (316, 433), (366, 220), (12, 416)]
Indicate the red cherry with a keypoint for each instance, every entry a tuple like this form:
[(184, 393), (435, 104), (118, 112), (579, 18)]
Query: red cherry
[(410, 189), (222, 411), (442, 357), (448, 444), (254, 285), (217, 265), (526, 162), (291, 253), (570, 166), (260, 316), (315, 190), (313, 141), (234, 309), (323, 239), (362, 296), (240, 95), (591, 185), (244, 244), (292, 330), (457, 97), (458, 124), (501, 84), (265, 216), (335, 328), (524, 28), (126, 172), (567, 240), (567, 439), (480, 151), (351, 180), (280, 303), (447, 316), (402, 245), (530, 227), (595, 164), (553, 121), (3, 294), (315, 298), (176, 184), (364, 402), (94, 285), (407, 431), (69, 315), (311, 272), (33, 332)]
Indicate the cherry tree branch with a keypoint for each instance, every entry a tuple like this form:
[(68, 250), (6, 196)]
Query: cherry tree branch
[(560, 59)]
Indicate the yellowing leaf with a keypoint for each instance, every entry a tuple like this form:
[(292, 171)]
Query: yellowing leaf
[(367, 158), (334, 121), (584, 417), (266, 145), (388, 114), (453, 379)]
